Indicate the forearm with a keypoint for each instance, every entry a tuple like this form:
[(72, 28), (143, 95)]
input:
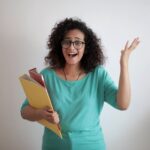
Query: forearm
[(124, 89), (31, 114), (46, 113)]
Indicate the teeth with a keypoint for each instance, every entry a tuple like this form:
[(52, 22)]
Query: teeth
[(72, 54)]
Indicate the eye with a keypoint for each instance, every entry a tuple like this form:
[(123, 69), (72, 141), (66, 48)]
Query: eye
[(77, 42), (66, 42)]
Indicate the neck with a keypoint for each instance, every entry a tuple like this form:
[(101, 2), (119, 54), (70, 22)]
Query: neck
[(72, 70)]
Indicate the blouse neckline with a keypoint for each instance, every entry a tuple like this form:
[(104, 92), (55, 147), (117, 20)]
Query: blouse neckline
[(70, 81)]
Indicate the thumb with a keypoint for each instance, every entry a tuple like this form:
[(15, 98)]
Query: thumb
[(47, 108)]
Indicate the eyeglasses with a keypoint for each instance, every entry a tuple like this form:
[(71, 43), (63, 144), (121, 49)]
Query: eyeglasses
[(77, 44)]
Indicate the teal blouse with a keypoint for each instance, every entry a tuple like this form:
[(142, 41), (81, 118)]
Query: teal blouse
[(79, 104)]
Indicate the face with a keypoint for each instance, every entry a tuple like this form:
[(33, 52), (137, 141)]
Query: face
[(73, 46)]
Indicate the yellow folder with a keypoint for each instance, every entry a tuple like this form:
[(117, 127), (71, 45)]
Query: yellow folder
[(38, 98)]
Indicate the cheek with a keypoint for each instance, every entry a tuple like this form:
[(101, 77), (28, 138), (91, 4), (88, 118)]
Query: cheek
[(81, 53), (63, 52)]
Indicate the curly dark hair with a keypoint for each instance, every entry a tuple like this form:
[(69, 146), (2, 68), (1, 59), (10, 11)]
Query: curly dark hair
[(93, 54)]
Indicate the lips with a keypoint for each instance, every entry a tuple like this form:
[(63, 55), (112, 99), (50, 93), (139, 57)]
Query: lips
[(72, 54)]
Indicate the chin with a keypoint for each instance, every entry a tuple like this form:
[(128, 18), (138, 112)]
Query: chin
[(72, 63)]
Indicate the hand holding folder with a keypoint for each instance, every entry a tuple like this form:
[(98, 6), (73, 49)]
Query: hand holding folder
[(37, 95)]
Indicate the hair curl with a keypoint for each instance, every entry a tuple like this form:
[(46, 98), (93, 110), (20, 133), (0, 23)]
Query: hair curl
[(93, 54)]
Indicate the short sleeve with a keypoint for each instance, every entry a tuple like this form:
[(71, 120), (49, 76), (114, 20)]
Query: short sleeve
[(24, 104), (110, 90)]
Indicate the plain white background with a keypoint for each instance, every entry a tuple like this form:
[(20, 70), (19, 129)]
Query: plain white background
[(24, 29)]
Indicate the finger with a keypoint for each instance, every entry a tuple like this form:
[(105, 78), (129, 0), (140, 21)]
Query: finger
[(50, 110), (126, 46), (55, 114), (137, 41), (52, 119), (49, 113), (47, 108), (52, 114), (134, 43)]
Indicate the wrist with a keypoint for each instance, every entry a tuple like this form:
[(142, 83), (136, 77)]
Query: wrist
[(124, 64), (38, 113)]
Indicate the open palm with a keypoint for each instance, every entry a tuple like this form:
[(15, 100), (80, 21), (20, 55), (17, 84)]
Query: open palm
[(125, 53)]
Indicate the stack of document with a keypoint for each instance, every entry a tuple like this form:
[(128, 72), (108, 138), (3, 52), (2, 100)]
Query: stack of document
[(38, 97)]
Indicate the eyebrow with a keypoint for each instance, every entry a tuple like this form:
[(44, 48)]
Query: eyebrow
[(75, 38)]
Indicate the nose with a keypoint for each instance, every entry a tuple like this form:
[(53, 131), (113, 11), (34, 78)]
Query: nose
[(71, 46)]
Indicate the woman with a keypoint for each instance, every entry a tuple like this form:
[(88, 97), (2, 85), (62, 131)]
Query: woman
[(78, 86)]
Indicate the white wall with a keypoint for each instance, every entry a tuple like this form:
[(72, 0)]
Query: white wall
[(24, 29)]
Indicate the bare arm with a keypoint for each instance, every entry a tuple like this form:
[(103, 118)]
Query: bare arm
[(33, 114), (124, 91)]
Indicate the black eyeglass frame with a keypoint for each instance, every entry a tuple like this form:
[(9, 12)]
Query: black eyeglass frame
[(72, 42)]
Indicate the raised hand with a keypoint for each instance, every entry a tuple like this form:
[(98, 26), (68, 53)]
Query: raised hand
[(124, 90), (125, 53)]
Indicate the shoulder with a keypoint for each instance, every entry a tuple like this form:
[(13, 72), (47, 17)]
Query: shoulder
[(101, 73), (101, 70), (46, 71)]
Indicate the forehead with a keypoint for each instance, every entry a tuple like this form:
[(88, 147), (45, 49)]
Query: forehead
[(74, 34)]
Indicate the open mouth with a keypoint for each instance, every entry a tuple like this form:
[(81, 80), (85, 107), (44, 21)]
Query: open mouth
[(72, 54)]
